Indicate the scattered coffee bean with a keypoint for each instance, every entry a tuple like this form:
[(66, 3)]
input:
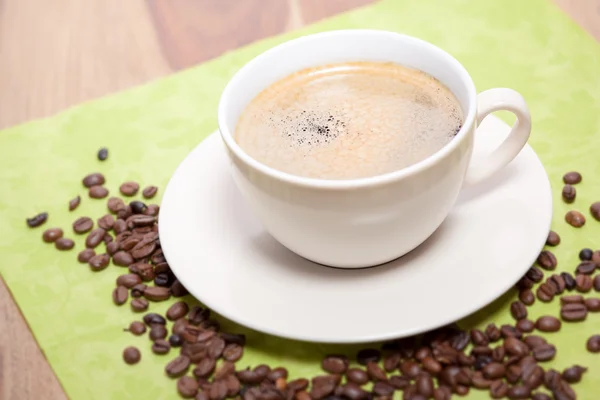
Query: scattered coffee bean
[(335, 364), (391, 361), (586, 268), (573, 374), (536, 274), (94, 238), (187, 387), (233, 352), (137, 328), (106, 222), (128, 280), (139, 304), (568, 194), (575, 219), (366, 355), (74, 203), (595, 210), (64, 244), (115, 205), (572, 178), (586, 254), (52, 234), (569, 280), (93, 180), (83, 225), (527, 297), (152, 210), (518, 310), (545, 292), (149, 192), (494, 370), (572, 299), (592, 304), (99, 262), (138, 290), (158, 332), (525, 325), (357, 376), (137, 207), (518, 392), (98, 192), (155, 293), (493, 333), (593, 344), (553, 239), (177, 310), (129, 188), (375, 372), (175, 340), (37, 220), (162, 280), (547, 260), (544, 352), (120, 295), (596, 283), (583, 283), (237, 338), (102, 154), (540, 396), (122, 258), (131, 355), (573, 312), (112, 248), (85, 255), (558, 283), (441, 393), (548, 323), (160, 346)]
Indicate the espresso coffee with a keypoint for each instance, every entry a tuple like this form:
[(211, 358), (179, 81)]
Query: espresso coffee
[(349, 120)]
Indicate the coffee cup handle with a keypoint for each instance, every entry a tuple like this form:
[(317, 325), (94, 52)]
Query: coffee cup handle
[(501, 99)]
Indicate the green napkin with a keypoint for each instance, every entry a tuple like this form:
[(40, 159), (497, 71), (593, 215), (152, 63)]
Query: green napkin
[(529, 46)]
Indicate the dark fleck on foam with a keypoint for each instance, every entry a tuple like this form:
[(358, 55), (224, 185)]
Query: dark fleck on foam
[(311, 128)]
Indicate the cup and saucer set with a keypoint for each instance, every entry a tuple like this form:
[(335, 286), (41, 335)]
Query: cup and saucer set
[(358, 260)]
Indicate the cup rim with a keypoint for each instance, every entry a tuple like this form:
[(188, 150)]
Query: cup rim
[(375, 180)]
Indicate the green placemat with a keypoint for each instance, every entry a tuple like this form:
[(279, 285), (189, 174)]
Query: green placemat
[(527, 45)]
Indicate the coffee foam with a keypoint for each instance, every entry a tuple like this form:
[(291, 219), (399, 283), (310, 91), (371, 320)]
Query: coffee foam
[(349, 120)]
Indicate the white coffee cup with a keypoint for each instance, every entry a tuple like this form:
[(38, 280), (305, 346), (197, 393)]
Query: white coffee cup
[(368, 221)]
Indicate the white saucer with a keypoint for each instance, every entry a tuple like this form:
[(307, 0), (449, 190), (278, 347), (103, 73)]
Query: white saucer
[(221, 253)]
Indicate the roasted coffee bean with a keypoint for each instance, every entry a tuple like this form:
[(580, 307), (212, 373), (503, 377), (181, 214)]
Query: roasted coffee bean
[(187, 387), (518, 392), (391, 361), (422, 352), (99, 262), (375, 372), (569, 280), (583, 283), (569, 193), (352, 391), (84, 256), (160, 346), (573, 374), (431, 365), (525, 283), (162, 268), (410, 368), (122, 258), (510, 331), (98, 192), (120, 295), (161, 280), (442, 393), (593, 344), (129, 188), (158, 331), (139, 220), (513, 373), (545, 292), (321, 388), (335, 364), (572, 178), (124, 213), (237, 338), (385, 389), (534, 341), (94, 238), (575, 218), (535, 274), (586, 268), (573, 312), (145, 271), (216, 347), (596, 283), (137, 207), (482, 361), (494, 370), (533, 376), (357, 376), (481, 350), (544, 352), (226, 368), (540, 396), (553, 239), (139, 305), (102, 154), (198, 315), (498, 389), (515, 347), (424, 386), (571, 299), (178, 366), (149, 192), (106, 222), (218, 391), (548, 323), (479, 338), (120, 226), (233, 352), (154, 319), (180, 326), (93, 180), (558, 283), (107, 238), (460, 340), (527, 297), (74, 203), (137, 328), (52, 234), (177, 310), (249, 376), (518, 310), (366, 355), (595, 210), (177, 289), (115, 204), (64, 244), (586, 254), (83, 225), (275, 374), (297, 385), (499, 352), (131, 355), (138, 290), (175, 340), (525, 326), (592, 304), (128, 280), (547, 260), (152, 210)]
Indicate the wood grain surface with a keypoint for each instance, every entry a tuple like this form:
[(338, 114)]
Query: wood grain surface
[(56, 54)]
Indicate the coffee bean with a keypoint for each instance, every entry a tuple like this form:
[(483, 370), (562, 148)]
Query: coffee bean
[(321, 388), (595, 210), (112, 248), (431, 365), (569, 280), (478, 351), (216, 346), (460, 340), (276, 373), (571, 299), (544, 352), (545, 292), (499, 352), (155, 293), (583, 283), (154, 319), (536, 274), (115, 204), (95, 237), (498, 389), (83, 225), (410, 368), (514, 346), (158, 332), (548, 323), (138, 290), (494, 370), (518, 392), (533, 376), (233, 352), (131, 355), (122, 258), (573, 312), (98, 192), (592, 304), (492, 332), (99, 262), (139, 305), (297, 385), (421, 353), (593, 344), (187, 387), (137, 328), (144, 248), (52, 234), (518, 310), (424, 386), (391, 361), (385, 389), (547, 260), (225, 369), (558, 283), (586, 268), (93, 180), (161, 346), (124, 213), (129, 188), (540, 396), (106, 222), (573, 374), (335, 364), (74, 203), (572, 178), (596, 283), (102, 154), (569, 193), (525, 325), (152, 210), (64, 244), (120, 226), (575, 219), (177, 310), (120, 295), (149, 192), (586, 254), (218, 391), (128, 280), (375, 372), (137, 207), (175, 340), (442, 393), (366, 355), (237, 338), (478, 338), (85, 255), (357, 376), (525, 283), (526, 296), (177, 289), (553, 239)]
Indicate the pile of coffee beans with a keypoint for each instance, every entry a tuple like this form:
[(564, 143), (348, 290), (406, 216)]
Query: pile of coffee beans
[(507, 361)]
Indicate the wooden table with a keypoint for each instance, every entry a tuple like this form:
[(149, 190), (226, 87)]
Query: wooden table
[(55, 54)]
